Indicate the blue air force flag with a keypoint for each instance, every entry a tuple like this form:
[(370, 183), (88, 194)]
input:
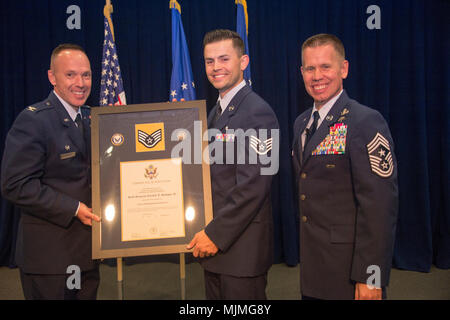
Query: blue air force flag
[(111, 89), (182, 86), (242, 30)]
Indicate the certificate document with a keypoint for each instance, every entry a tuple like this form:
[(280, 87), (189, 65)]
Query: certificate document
[(152, 199)]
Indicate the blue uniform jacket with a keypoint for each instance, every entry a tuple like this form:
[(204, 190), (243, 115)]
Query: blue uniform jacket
[(46, 172), (348, 200), (242, 227)]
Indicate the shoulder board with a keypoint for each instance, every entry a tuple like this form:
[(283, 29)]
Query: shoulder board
[(40, 106)]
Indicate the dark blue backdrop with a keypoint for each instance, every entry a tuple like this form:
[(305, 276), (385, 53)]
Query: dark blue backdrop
[(402, 70)]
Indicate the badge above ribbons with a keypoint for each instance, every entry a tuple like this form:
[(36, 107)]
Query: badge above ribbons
[(380, 156)]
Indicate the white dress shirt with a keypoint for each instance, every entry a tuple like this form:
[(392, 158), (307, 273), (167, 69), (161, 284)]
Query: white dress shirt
[(322, 114), (225, 101)]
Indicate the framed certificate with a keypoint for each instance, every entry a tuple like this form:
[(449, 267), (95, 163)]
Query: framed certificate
[(150, 181)]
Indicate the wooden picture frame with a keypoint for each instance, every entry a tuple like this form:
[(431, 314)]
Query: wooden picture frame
[(150, 201)]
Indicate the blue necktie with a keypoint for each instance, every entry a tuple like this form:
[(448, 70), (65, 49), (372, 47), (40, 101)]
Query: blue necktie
[(312, 129), (79, 124), (217, 114)]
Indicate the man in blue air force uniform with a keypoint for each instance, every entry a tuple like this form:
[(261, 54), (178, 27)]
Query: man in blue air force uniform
[(46, 173), (346, 173), (237, 245)]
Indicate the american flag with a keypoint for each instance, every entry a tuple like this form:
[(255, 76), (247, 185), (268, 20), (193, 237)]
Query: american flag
[(111, 91)]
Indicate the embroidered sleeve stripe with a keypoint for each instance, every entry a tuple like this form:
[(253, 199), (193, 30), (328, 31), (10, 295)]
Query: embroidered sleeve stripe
[(377, 144), (253, 144), (381, 173), (377, 140), (261, 152), (254, 139), (375, 166), (376, 158)]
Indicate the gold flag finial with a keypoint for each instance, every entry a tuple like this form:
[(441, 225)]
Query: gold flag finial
[(244, 5), (107, 10), (174, 4)]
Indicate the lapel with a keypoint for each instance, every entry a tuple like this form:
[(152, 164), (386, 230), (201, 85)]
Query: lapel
[(68, 124), (231, 109), (301, 128), (86, 113), (331, 118), (211, 115)]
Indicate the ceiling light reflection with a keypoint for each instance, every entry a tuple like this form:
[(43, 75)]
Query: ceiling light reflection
[(190, 213), (110, 212)]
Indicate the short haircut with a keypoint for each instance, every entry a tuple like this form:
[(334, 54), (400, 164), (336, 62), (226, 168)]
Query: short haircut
[(62, 47), (323, 39), (224, 34)]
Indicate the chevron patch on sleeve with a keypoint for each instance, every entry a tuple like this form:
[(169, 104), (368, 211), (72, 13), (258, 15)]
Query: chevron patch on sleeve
[(260, 147), (380, 156)]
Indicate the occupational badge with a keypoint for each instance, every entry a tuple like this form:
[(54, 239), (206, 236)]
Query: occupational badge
[(380, 156)]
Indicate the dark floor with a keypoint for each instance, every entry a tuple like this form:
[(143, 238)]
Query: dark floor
[(160, 281)]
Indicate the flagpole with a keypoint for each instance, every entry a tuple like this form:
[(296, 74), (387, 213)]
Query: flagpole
[(107, 10)]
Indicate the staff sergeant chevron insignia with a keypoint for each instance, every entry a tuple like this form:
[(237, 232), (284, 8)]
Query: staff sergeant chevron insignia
[(149, 140), (380, 156), (260, 147)]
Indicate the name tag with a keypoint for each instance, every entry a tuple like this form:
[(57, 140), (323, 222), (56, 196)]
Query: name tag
[(64, 156)]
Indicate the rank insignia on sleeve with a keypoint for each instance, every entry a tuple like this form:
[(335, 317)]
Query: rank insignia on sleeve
[(260, 147), (380, 156)]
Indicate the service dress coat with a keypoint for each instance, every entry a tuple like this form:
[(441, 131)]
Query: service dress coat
[(46, 172), (242, 226), (348, 200)]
